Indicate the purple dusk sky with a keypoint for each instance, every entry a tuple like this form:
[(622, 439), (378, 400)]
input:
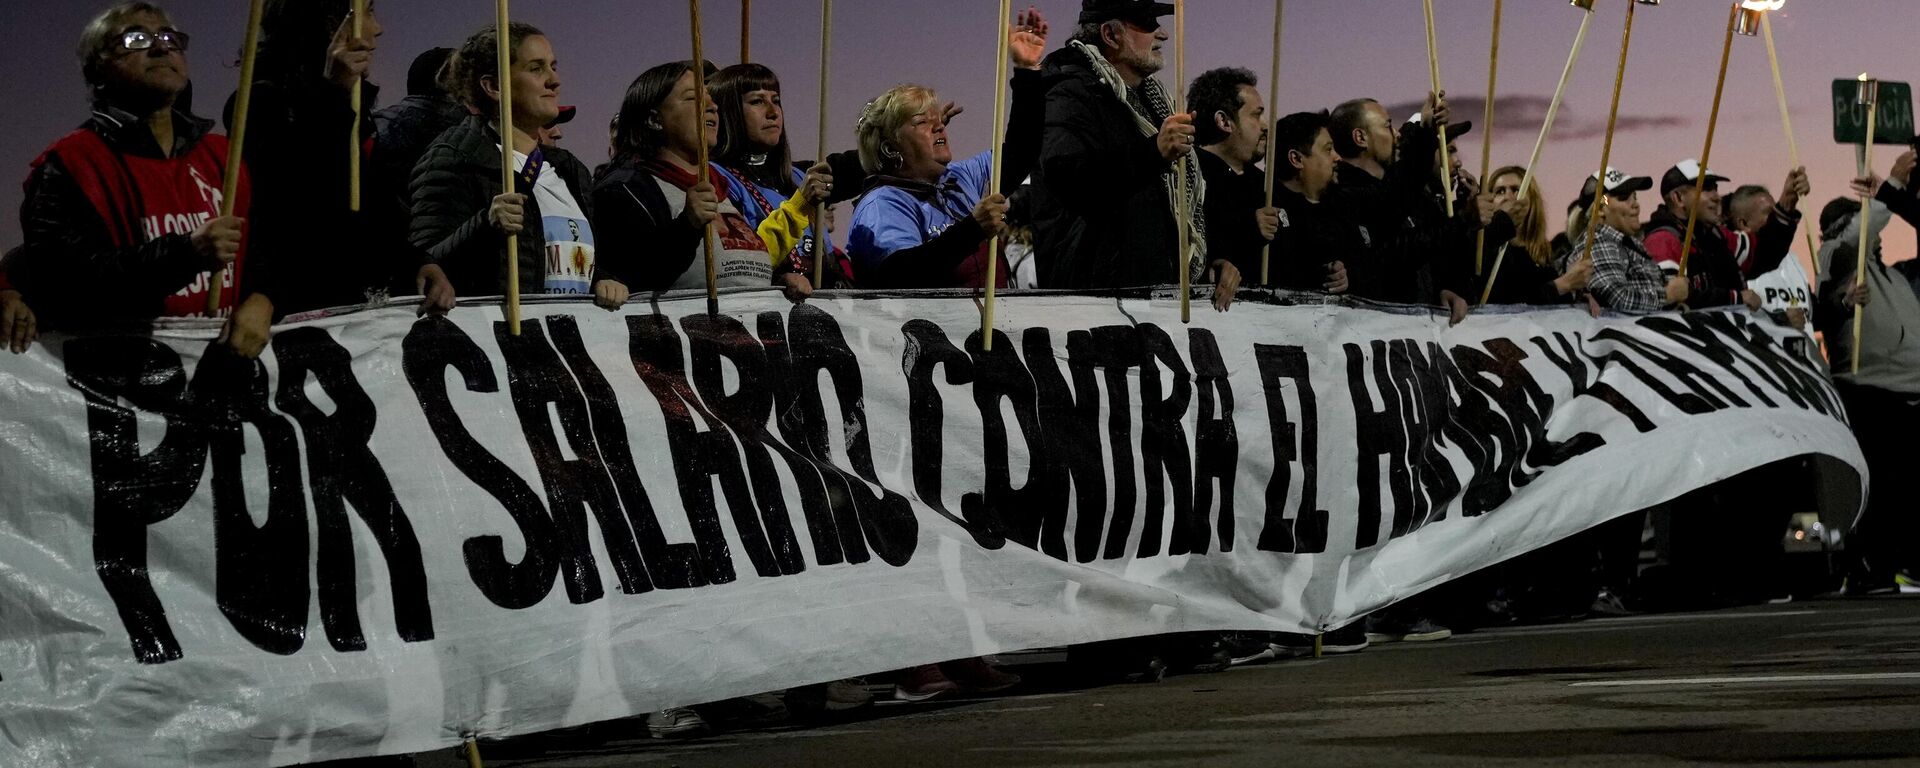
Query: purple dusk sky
[(1334, 49)]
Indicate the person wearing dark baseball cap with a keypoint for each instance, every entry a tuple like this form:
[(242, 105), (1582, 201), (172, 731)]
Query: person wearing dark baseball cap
[(1105, 196), (1723, 258), (1625, 277)]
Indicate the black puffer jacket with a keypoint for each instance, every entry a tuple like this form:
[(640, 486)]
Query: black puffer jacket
[(454, 185), (1102, 218)]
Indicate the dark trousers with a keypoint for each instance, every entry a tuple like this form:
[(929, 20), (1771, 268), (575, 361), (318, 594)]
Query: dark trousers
[(1887, 424)]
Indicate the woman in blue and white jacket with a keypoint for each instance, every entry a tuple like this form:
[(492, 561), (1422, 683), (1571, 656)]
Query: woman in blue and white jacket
[(925, 220)]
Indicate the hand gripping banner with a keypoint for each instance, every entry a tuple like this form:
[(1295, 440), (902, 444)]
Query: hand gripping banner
[(390, 533)]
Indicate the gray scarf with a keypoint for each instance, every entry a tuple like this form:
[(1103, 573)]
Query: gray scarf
[(1156, 100)]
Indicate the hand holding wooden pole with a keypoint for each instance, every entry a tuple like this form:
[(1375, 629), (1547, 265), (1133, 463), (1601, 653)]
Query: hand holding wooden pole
[(1439, 128), (1786, 117), (1273, 108), (236, 142), (1486, 137), (701, 170), (353, 140), (1606, 149), (822, 236), (1533, 160), (1182, 216), (993, 177), (503, 74), (1713, 122), (1870, 94)]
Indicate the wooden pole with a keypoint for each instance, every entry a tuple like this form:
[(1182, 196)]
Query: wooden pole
[(353, 141), (1533, 160), (1439, 128), (236, 142), (746, 31), (993, 177), (701, 172), (1786, 117), (822, 236), (1606, 148), (1273, 108), (1713, 122), (473, 753), (1182, 216), (1866, 218), (503, 74), (1486, 137)]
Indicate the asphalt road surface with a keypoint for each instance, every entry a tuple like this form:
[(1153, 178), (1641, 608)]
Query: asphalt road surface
[(1832, 682)]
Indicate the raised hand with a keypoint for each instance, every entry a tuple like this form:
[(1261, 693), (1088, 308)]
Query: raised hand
[(817, 186), (991, 215), (1795, 189), (348, 57), (1027, 39)]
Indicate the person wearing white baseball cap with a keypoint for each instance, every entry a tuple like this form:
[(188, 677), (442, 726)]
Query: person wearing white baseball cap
[(1723, 257), (1625, 277)]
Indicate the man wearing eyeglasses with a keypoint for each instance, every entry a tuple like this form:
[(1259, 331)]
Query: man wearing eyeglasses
[(122, 217)]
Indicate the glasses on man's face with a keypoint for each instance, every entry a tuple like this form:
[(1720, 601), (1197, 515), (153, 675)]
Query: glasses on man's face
[(141, 40)]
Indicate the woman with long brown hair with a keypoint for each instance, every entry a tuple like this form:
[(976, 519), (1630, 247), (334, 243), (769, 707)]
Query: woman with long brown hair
[(1527, 274)]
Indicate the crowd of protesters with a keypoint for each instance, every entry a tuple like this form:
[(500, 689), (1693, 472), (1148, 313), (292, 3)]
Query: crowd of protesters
[(124, 220)]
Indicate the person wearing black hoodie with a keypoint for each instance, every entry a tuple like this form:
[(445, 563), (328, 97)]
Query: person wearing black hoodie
[(307, 65), (403, 131), (1314, 240), (1104, 190)]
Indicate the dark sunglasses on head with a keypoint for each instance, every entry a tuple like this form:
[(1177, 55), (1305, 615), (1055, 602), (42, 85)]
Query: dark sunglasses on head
[(140, 40)]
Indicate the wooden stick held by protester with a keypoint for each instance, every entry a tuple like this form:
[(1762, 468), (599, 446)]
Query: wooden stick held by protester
[(822, 236), (1273, 107), (993, 183), (1486, 137), (503, 74), (473, 753), (746, 31), (1183, 218), (1533, 160), (353, 98), (236, 141), (700, 172), (1613, 120), (1713, 122), (1786, 117), (1439, 128), (1870, 93)]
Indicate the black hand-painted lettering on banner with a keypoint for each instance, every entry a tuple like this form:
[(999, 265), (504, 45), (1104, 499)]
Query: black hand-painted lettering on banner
[(429, 349), (1069, 447), (344, 472), (1060, 428), (1216, 446), (132, 491), (712, 339), (260, 572), (1564, 353), (669, 566), (1482, 402), (869, 516), (542, 388), (700, 456), (1286, 369)]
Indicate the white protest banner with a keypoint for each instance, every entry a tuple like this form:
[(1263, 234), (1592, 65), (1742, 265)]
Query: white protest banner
[(391, 533)]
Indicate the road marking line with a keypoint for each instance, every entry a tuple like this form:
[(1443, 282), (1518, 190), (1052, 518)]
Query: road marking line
[(1738, 680)]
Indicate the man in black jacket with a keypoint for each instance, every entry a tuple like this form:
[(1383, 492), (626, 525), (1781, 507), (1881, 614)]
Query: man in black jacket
[(1383, 184), (1104, 192), (1314, 237), (402, 132), (1230, 126)]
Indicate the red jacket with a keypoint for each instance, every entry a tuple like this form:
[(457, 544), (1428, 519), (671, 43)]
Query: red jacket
[(108, 217)]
